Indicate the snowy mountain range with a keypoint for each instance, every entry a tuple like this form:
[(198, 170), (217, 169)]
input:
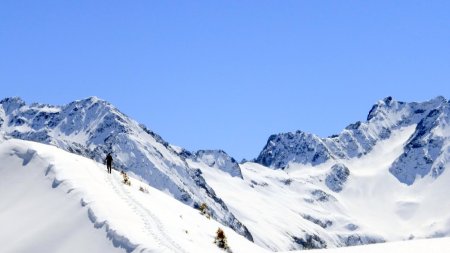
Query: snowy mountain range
[(384, 179), (93, 127), (425, 152)]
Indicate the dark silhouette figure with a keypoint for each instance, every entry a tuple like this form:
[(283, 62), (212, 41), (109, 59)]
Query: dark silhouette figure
[(109, 160)]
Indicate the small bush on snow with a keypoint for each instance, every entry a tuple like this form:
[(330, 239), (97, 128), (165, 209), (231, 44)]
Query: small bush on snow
[(221, 240), (126, 179), (142, 189), (204, 210)]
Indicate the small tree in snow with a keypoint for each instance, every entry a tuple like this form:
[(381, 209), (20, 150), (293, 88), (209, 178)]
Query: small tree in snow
[(204, 210), (126, 179), (221, 240)]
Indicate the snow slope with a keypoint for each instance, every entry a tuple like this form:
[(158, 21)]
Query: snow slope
[(93, 127), (296, 209), (36, 218), (55, 201), (439, 245)]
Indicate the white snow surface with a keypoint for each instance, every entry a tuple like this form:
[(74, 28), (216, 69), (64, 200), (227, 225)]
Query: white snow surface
[(277, 205), (437, 245), (55, 201)]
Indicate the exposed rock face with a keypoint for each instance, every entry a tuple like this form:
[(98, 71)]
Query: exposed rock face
[(310, 242), (336, 179), (428, 149), (298, 147)]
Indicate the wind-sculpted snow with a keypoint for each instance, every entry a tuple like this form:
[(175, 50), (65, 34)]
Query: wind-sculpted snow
[(425, 151), (93, 128)]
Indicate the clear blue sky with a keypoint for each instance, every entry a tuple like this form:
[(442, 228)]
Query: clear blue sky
[(227, 74)]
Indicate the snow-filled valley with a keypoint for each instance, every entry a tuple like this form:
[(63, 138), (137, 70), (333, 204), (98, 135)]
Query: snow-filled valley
[(378, 182)]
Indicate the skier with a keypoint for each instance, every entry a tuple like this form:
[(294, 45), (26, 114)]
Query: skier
[(109, 162)]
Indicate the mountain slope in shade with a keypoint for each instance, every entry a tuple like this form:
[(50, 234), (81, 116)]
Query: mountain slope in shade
[(93, 127)]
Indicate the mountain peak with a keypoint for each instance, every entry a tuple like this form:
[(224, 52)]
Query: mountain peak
[(298, 146), (11, 100), (438, 102), (388, 100), (89, 101), (221, 160), (12, 103)]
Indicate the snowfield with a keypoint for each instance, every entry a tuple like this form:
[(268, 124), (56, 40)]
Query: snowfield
[(437, 245), (55, 201), (372, 207)]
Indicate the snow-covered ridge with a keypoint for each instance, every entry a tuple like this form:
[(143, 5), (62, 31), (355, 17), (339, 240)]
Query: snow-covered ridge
[(55, 201), (93, 127)]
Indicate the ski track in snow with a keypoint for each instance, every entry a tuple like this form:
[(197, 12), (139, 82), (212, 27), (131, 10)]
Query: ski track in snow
[(153, 226)]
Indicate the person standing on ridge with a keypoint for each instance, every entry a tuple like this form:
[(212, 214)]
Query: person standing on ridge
[(109, 160)]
